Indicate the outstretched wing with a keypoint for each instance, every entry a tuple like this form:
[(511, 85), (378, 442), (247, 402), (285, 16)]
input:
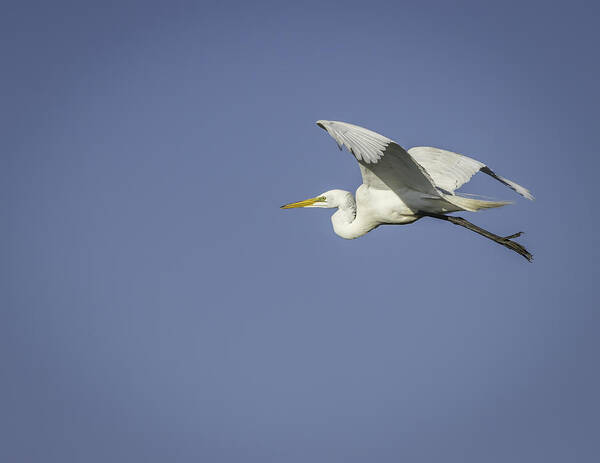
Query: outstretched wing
[(450, 171), (447, 169), (383, 163)]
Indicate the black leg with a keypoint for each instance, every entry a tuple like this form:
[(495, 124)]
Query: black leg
[(504, 241)]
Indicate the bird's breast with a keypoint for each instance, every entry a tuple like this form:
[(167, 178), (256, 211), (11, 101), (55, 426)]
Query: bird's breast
[(384, 206)]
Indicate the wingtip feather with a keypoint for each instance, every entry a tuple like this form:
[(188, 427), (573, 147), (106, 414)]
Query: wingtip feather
[(519, 189), (514, 186)]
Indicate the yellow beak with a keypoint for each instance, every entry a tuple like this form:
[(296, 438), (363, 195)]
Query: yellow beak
[(306, 202)]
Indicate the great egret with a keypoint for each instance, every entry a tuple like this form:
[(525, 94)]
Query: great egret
[(400, 187)]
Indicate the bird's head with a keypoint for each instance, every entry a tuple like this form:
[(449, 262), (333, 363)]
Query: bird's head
[(327, 200)]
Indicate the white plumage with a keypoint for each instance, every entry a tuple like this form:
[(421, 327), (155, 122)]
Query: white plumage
[(366, 145), (448, 170), (439, 168), (402, 186), (452, 170)]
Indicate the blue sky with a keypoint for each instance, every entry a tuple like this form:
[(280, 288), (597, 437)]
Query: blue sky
[(159, 306)]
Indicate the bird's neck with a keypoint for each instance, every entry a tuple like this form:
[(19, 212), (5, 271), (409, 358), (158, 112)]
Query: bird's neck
[(348, 222)]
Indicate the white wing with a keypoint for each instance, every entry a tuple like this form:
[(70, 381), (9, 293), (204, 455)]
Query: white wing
[(447, 169), (450, 171), (383, 163)]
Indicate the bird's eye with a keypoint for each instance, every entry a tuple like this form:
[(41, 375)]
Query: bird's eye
[(322, 198)]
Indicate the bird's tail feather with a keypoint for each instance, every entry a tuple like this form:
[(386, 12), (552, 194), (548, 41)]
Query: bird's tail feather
[(471, 204)]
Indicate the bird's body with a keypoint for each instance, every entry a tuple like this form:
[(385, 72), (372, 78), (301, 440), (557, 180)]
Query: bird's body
[(367, 210), (400, 187)]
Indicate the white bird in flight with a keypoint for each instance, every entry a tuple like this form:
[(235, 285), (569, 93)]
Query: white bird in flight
[(400, 187)]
